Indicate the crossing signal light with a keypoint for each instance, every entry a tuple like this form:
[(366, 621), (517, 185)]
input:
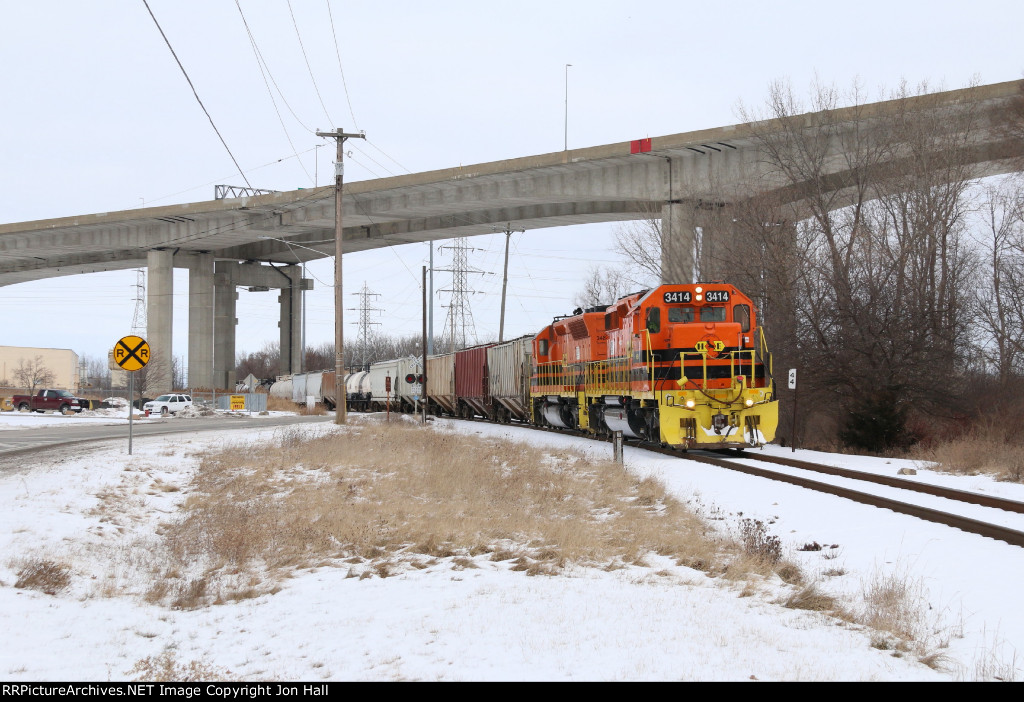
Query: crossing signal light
[(414, 378)]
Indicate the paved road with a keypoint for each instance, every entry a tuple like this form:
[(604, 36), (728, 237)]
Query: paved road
[(16, 442)]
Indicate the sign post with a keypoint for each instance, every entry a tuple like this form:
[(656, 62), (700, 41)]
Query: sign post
[(792, 386), (131, 353)]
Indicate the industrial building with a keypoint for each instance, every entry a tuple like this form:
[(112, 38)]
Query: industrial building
[(63, 363)]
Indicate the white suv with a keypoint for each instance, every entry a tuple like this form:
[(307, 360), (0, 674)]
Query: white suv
[(167, 404)]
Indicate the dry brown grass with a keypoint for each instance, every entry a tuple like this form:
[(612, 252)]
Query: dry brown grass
[(978, 454), (43, 575), (280, 404), (386, 497), (812, 599), (166, 668), (989, 450), (893, 605)]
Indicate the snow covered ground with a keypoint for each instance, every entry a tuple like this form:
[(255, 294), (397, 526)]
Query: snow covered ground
[(662, 622)]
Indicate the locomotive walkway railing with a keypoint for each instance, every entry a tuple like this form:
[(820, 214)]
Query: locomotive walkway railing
[(614, 376)]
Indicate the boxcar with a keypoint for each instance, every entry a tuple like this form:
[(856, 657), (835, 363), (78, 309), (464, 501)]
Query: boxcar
[(441, 384), (508, 368), (471, 386)]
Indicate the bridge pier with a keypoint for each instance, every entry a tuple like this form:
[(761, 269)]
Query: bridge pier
[(225, 297), (200, 320), (679, 240), (159, 319), (720, 247), (291, 320)]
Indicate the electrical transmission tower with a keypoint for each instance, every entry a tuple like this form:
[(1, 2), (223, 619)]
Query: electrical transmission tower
[(459, 322), (139, 318), (365, 309)]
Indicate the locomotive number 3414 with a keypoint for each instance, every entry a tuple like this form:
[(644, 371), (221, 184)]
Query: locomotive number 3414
[(678, 296)]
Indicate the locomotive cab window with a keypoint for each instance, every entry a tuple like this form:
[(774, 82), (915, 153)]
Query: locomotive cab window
[(542, 347), (741, 314), (654, 320), (712, 314), (680, 315)]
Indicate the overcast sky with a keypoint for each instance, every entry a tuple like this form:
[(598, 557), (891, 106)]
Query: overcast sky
[(98, 117)]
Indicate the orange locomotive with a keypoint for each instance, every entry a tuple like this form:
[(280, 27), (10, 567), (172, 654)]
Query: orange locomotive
[(680, 365)]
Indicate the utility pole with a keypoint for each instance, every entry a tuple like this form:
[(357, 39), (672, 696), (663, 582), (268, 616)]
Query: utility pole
[(423, 383), (430, 310), (340, 137), (504, 282)]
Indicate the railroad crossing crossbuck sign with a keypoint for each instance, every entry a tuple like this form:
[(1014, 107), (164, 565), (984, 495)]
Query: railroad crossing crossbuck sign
[(131, 353)]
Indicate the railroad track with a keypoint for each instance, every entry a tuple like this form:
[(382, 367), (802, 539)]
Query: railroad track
[(973, 526), (731, 462)]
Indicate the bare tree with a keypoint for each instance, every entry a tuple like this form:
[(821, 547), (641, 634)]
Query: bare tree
[(871, 216), (320, 357), (1000, 309), (602, 286), (263, 364), (97, 371), (640, 244), (153, 378), (33, 373)]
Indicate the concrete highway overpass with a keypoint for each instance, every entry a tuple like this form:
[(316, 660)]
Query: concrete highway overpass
[(237, 242)]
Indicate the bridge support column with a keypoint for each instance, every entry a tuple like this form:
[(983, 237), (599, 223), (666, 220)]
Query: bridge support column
[(200, 320), (224, 321), (159, 320), (291, 321), (679, 241), (721, 255)]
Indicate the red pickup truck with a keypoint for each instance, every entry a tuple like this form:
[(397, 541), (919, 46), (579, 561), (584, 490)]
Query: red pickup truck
[(57, 400)]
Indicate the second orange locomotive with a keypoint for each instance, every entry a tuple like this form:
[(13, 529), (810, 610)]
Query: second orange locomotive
[(680, 365)]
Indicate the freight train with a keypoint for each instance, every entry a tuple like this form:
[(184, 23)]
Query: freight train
[(679, 365)]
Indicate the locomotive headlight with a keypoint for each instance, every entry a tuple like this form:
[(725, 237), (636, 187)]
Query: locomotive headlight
[(750, 402), (699, 298), (699, 289), (690, 404)]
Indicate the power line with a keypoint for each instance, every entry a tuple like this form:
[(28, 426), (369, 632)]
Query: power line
[(311, 77), (185, 73), (261, 64), (337, 52)]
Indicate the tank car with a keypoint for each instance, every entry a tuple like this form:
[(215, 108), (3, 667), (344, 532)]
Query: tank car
[(357, 390), (681, 365)]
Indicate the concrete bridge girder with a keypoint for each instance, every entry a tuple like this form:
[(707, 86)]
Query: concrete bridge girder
[(598, 184)]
